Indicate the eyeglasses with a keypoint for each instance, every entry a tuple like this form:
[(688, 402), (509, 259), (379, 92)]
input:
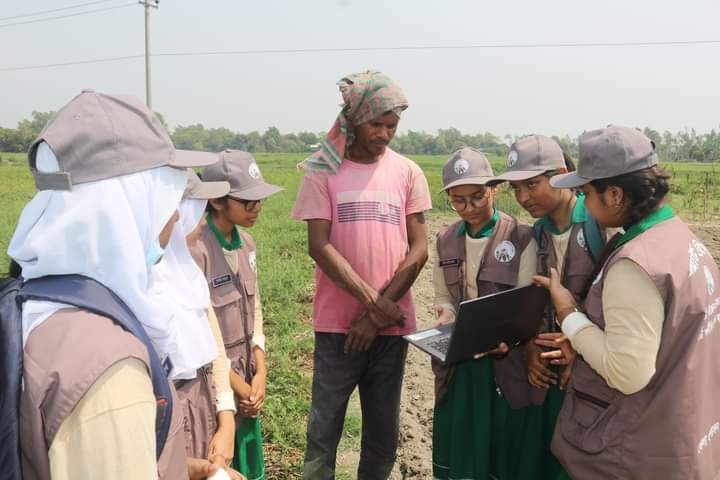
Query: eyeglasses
[(478, 200), (250, 205)]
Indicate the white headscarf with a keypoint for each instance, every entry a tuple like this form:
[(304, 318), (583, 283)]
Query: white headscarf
[(179, 282), (102, 230)]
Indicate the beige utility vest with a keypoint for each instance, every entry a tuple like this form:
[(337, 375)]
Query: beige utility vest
[(63, 358), (232, 296), (498, 271), (670, 429)]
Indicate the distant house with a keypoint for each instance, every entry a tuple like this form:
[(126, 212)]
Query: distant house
[(313, 147)]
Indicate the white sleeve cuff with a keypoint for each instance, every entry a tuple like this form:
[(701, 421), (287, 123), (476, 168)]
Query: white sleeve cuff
[(225, 401), (258, 340), (575, 322)]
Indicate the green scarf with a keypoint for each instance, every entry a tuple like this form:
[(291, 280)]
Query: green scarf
[(235, 244), (658, 216), (486, 229), (579, 215)]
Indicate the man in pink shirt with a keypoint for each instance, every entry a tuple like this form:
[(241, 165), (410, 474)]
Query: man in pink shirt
[(364, 205)]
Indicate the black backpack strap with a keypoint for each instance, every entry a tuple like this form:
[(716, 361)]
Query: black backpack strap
[(88, 294), (11, 366)]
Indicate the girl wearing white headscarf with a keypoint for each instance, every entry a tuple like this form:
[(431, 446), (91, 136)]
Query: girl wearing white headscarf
[(209, 412), (109, 230)]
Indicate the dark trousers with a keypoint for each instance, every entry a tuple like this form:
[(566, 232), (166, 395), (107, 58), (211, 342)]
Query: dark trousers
[(378, 373)]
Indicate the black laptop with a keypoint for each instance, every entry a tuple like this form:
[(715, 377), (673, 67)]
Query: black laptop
[(511, 316)]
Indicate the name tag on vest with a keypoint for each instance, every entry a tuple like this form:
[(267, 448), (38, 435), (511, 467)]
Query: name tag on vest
[(221, 280), (449, 262)]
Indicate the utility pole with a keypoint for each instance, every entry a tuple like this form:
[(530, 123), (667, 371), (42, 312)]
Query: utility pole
[(148, 4)]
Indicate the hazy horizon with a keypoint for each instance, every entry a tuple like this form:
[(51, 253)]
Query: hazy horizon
[(552, 91)]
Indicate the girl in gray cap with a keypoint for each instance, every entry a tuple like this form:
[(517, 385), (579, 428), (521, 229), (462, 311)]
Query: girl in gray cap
[(642, 398), (486, 251), (568, 239), (227, 257), (109, 182)]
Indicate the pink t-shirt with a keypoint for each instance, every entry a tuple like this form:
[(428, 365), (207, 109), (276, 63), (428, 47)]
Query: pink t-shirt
[(367, 205)]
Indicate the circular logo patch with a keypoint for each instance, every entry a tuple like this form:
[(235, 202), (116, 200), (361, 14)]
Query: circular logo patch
[(505, 251), (512, 158), (461, 166), (581, 239), (254, 171), (252, 259)]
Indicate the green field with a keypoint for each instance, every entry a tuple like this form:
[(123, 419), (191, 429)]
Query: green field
[(286, 280)]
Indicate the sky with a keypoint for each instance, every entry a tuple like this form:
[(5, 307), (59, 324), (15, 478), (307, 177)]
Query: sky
[(552, 91)]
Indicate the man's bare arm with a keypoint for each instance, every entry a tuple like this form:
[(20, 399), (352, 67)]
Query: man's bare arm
[(335, 266), (410, 268)]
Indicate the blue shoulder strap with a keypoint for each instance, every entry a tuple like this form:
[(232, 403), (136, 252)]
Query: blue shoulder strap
[(11, 366), (88, 294), (537, 231), (593, 237)]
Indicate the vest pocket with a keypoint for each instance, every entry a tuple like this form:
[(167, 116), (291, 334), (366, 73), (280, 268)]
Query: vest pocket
[(226, 300), (590, 422), (224, 294), (249, 286)]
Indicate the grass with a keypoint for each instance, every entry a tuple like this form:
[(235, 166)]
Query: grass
[(286, 283), (285, 272), (16, 158), (16, 189)]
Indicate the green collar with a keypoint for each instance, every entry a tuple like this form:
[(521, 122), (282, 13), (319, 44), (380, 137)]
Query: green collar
[(579, 215), (658, 216), (237, 241), (486, 229)]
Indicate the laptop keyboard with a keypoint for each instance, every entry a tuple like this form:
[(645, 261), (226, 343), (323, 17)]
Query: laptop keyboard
[(441, 345)]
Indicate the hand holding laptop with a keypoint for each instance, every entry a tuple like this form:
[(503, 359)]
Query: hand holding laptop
[(484, 324), (444, 314)]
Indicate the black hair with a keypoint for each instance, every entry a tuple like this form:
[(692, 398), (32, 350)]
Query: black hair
[(569, 163), (210, 209), (569, 166), (643, 190)]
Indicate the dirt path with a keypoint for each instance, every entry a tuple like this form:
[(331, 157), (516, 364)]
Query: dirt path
[(415, 451)]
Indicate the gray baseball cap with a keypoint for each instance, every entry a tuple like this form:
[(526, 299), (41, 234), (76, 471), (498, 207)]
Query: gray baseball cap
[(530, 157), (98, 136), (466, 166), (199, 190), (609, 152), (242, 172)]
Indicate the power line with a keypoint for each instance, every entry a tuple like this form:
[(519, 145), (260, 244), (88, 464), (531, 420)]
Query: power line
[(57, 17), (67, 64), (375, 49), (438, 47), (42, 12)]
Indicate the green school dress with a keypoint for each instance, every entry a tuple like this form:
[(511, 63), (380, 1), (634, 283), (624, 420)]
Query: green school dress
[(477, 436), (249, 459)]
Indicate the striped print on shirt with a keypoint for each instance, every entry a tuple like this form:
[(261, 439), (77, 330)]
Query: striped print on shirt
[(377, 206)]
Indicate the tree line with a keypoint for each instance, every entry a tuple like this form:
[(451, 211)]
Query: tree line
[(682, 146)]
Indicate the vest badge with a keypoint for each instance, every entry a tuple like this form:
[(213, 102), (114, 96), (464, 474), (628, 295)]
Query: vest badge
[(505, 251)]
